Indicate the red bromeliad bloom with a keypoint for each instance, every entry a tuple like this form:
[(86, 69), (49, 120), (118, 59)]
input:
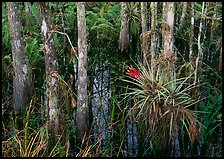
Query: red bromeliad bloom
[(133, 73)]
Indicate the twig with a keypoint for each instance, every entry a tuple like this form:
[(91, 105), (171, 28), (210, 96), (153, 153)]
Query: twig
[(68, 40), (196, 69)]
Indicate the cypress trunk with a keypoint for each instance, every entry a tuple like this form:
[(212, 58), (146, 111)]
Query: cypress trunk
[(21, 79), (82, 118), (52, 109)]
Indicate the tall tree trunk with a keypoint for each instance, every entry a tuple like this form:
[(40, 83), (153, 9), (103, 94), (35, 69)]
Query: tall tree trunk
[(82, 118), (191, 32), (207, 56), (163, 25), (199, 34), (153, 7), (124, 33), (52, 109), (144, 30), (210, 52), (183, 15), (200, 55), (21, 79), (168, 41), (213, 21)]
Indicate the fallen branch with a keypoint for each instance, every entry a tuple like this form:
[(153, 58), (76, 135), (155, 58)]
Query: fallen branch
[(54, 31)]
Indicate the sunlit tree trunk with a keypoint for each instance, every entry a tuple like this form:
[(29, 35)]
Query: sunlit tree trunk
[(156, 4), (200, 55), (163, 25), (183, 16), (82, 118), (168, 42), (52, 109), (199, 34), (168, 39), (21, 79), (124, 32), (191, 31), (144, 30)]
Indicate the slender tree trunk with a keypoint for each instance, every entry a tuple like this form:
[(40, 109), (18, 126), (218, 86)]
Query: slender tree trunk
[(168, 39), (146, 59), (144, 30), (144, 16), (168, 42), (163, 25), (210, 52), (199, 34), (207, 56), (183, 16), (124, 33), (213, 21), (52, 109), (21, 79), (220, 60), (191, 32), (157, 36), (153, 7), (200, 55), (82, 118), (156, 6)]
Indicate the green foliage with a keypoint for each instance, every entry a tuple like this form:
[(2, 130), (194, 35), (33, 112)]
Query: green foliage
[(33, 18), (212, 119), (211, 133), (102, 22), (33, 52), (5, 28), (68, 17)]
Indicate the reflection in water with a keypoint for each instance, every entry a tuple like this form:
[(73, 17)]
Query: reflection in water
[(101, 112), (100, 107)]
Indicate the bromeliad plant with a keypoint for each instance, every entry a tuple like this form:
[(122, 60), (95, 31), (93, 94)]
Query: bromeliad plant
[(164, 108)]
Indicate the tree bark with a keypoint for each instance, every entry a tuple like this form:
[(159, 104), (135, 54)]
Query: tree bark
[(200, 54), (212, 31), (21, 79), (153, 7), (163, 25), (200, 30), (191, 32), (52, 109), (144, 30), (213, 21), (169, 56), (82, 118), (124, 33), (168, 38)]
